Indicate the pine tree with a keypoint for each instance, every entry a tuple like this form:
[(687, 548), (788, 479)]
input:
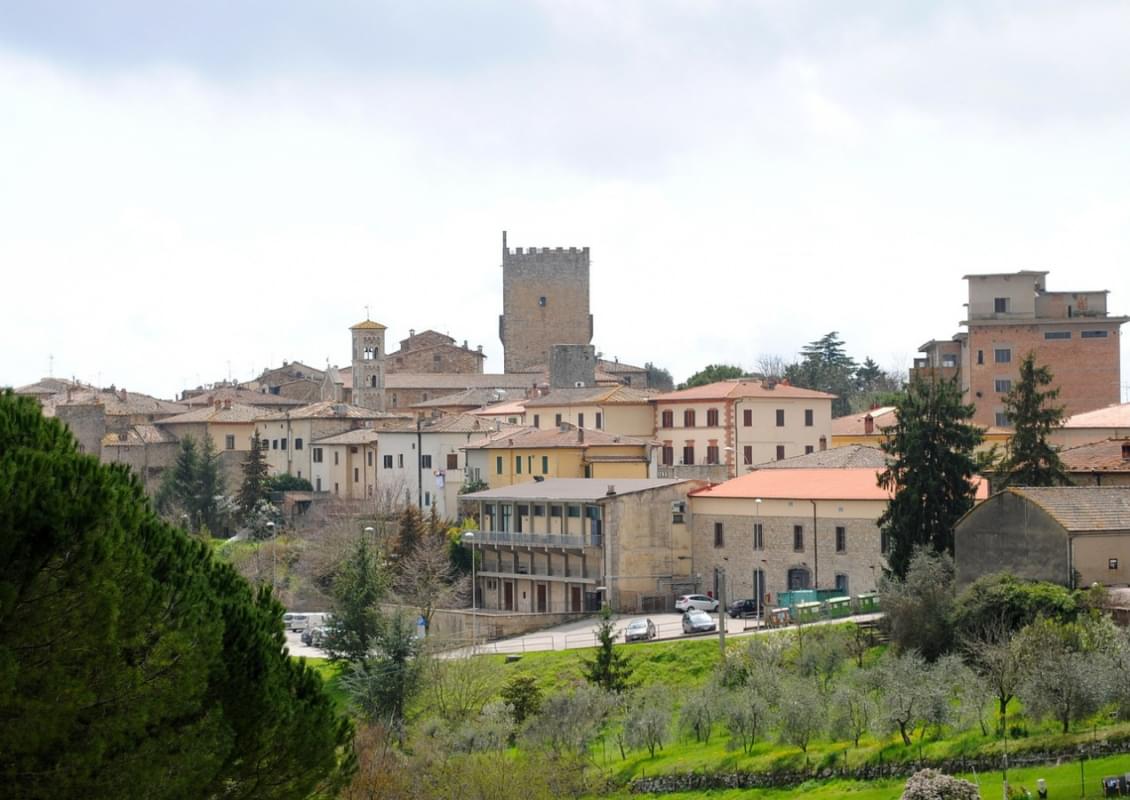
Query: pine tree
[(253, 490), (209, 488), (176, 497), (826, 367), (609, 669), (1030, 459), (410, 530), (358, 588), (930, 470)]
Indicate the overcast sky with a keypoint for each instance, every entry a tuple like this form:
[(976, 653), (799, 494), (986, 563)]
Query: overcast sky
[(188, 188)]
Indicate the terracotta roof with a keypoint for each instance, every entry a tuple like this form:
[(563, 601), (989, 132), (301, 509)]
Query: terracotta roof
[(733, 389), (614, 367), (1082, 508), (846, 457), (1104, 456), (120, 402), (855, 424), (236, 394), (49, 386), (477, 397), (368, 325), (589, 395), (860, 483), (236, 413), (532, 437), (139, 435), (359, 436), (1114, 416), (453, 423), (327, 409), (502, 409), (588, 490)]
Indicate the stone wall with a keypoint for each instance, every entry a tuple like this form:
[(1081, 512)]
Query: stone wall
[(1006, 533), (87, 423)]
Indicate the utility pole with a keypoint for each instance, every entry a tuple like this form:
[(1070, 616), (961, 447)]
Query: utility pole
[(720, 579)]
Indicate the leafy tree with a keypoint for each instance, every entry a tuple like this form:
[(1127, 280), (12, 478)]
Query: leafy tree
[(382, 685), (609, 669), (569, 722), (1001, 598), (826, 367), (253, 489), (918, 608), (931, 470), (823, 656), (997, 657), (800, 713), (285, 482), (522, 695), (699, 711), (428, 580), (458, 689), (868, 375), (1030, 459), (658, 378), (358, 588), (130, 657), (648, 720), (712, 373), (746, 715)]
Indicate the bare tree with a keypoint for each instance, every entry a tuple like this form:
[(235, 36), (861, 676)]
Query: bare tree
[(770, 365), (996, 656), (458, 689), (428, 580)]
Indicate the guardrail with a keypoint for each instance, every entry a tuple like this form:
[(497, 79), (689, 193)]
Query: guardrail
[(538, 539)]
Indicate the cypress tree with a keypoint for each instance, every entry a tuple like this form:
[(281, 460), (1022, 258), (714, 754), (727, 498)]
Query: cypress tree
[(1030, 459), (930, 469), (253, 489)]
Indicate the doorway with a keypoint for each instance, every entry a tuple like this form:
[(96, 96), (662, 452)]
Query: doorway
[(575, 598), (508, 596), (799, 578), (542, 604)]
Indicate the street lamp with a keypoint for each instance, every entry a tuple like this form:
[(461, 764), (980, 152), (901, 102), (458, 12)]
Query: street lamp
[(271, 531), (469, 536), (757, 569)]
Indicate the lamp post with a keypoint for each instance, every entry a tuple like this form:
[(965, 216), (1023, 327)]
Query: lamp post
[(271, 531), (469, 536), (757, 568)]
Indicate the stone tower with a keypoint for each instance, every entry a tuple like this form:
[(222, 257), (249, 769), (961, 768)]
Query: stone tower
[(369, 365), (545, 301)]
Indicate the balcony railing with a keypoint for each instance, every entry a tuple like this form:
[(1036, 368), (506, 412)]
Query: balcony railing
[(537, 539)]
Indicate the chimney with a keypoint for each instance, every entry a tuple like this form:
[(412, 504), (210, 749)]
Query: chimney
[(217, 404), (769, 383), (411, 332), (227, 404), (868, 424), (611, 491), (480, 348), (123, 396), (1126, 451)]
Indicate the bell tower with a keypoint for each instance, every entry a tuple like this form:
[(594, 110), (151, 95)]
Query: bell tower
[(369, 365)]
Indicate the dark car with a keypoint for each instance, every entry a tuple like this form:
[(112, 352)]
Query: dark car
[(698, 621), (743, 608), (640, 630)]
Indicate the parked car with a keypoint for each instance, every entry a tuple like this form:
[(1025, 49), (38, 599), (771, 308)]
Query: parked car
[(744, 608), (640, 630), (698, 621), (315, 636), (699, 601)]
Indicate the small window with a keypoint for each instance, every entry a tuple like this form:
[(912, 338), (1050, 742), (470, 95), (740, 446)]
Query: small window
[(557, 420), (337, 457), (780, 452), (980, 356), (798, 538), (400, 460), (780, 417), (537, 420), (539, 510), (842, 584), (1093, 334), (747, 454), (1002, 385), (517, 465), (356, 474), (453, 461), (388, 461), (712, 454), (282, 444), (758, 536), (668, 455), (1000, 305), (884, 542), (668, 418), (1002, 355), (545, 465), (718, 540), (712, 418), (688, 418), (427, 499), (580, 420), (599, 421), (369, 457), (229, 442), (297, 444), (747, 417), (541, 301), (841, 539), (426, 461), (317, 455), (1050, 335), (1001, 420), (1112, 563), (574, 511), (498, 465), (317, 484), (808, 449), (808, 418)]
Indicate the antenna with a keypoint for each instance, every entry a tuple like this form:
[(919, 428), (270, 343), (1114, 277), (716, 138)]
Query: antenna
[(366, 312), (50, 365)]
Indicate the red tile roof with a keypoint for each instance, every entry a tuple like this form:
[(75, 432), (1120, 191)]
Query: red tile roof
[(1104, 456), (733, 389), (856, 483), (1115, 416)]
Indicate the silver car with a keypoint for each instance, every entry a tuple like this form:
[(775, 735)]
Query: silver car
[(696, 621), (640, 630)]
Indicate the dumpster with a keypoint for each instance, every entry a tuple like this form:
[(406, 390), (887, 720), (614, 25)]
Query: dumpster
[(806, 612), (867, 603), (838, 607)]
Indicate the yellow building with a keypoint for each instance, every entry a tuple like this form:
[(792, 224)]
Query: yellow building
[(868, 429), (345, 464), (565, 452), (229, 425), (612, 409)]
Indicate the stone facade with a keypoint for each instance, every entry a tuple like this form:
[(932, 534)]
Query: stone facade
[(431, 352), (545, 301), (368, 365), (572, 366)]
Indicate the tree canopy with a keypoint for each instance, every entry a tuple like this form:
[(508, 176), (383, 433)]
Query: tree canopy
[(930, 469), (1030, 459), (712, 373), (129, 656)]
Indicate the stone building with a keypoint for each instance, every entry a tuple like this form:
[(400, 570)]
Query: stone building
[(776, 530), (431, 351), (1105, 463), (545, 301), (1070, 535), (1010, 315), (551, 546), (368, 371)]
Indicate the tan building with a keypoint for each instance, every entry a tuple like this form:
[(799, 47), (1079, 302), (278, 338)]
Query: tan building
[(566, 452), (775, 530), (237, 395), (725, 428), (545, 301), (1111, 422), (549, 547), (1070, 535), (346, 464), (1010, 315), (467, 401), (511, 412), (230, 426), (869, 428), (613, 409), (288, 435), (431, 351)]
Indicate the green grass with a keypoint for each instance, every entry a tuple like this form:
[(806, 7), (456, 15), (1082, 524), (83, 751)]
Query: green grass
[(331, 678)]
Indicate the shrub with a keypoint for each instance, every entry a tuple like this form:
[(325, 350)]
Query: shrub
[(929, 784)]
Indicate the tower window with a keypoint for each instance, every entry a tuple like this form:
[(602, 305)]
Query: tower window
[(541, 301), (373, 381)]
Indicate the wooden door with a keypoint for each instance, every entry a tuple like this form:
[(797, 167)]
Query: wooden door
[(541, 598), (575, 598), (508, 596)]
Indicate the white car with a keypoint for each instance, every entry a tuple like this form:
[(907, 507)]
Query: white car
[(699, 601)]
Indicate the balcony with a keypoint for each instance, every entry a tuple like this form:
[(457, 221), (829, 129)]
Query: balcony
[(537, 539), (589, 576)]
